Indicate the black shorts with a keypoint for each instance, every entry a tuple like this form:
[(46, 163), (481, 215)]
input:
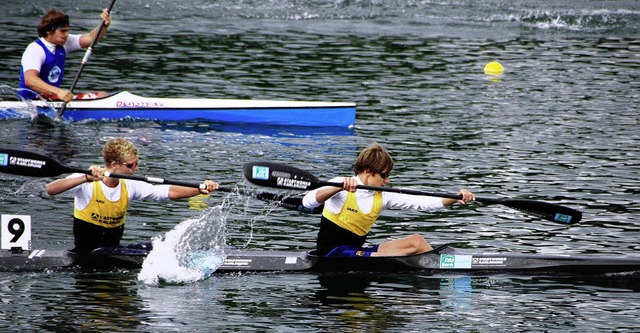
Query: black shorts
[(331, 236)]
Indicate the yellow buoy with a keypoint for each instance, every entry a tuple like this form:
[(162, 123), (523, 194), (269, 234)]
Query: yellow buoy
[(494, 68)]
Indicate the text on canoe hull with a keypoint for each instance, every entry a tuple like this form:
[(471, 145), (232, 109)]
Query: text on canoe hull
[(138, 104)]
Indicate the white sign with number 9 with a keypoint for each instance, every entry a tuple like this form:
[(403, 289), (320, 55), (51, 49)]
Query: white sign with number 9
[(16, 232)]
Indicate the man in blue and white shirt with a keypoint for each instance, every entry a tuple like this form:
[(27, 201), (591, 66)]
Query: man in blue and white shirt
[(43, 61)]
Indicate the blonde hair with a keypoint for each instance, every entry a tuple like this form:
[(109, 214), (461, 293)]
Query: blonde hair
[(375, 158), (118, 150)]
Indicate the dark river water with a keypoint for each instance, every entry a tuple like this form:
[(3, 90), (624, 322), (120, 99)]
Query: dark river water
[(560, 125)]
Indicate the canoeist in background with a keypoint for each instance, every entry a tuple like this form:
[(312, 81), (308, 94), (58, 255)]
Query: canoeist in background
[(43, 61), (101, 202), (348, 214)]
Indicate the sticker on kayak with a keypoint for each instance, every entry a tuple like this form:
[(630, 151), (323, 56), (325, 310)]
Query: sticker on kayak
[(237, 262), (490, 261), (260, 172), (455, 261)]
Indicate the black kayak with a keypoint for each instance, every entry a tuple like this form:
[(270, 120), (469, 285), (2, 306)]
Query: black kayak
[(444, 260)]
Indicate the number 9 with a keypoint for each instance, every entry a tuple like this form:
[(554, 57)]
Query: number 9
[(16, 228)]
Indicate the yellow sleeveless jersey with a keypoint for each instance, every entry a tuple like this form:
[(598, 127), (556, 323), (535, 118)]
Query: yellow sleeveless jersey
[(102, 212), (351, 218)]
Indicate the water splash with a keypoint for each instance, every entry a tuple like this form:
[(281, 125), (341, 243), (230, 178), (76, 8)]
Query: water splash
[(190, 252), (23, 108)]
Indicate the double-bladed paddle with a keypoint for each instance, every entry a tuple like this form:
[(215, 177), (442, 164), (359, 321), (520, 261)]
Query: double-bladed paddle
[(277, 175), (85, 59), (26, 163)]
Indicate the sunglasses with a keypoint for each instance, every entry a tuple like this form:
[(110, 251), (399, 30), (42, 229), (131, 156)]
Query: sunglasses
[(385, 175), (130, 165)]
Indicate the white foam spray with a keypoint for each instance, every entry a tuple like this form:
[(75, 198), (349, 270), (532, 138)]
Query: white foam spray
[(190, 252)]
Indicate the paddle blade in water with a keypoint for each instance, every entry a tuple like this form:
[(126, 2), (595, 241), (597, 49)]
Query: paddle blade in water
[(24, 163), (279, 176)]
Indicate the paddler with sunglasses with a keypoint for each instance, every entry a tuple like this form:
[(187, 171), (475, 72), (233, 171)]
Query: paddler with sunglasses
[(100, 202), (349, 214)]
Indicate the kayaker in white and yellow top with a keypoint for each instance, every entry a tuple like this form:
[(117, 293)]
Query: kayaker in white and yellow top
[(101, 202), (348, 214)]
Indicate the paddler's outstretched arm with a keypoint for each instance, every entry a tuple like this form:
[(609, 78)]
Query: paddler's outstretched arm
[(350, 184), (175, 192), (180, 192), (467, 196)]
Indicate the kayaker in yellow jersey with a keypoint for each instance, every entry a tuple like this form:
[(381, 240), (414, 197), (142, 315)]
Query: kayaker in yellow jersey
[(348, 214), (100, 202)]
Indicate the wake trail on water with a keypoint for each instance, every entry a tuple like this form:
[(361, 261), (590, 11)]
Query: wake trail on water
[(190, 252), (26, 110)]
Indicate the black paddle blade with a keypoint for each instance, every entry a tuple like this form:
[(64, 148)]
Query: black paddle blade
[(25, 163), (545, 210), (279, 176)]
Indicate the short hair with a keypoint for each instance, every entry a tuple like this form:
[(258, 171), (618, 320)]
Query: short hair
[(51, 21), (375, 158), (118, 150)]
